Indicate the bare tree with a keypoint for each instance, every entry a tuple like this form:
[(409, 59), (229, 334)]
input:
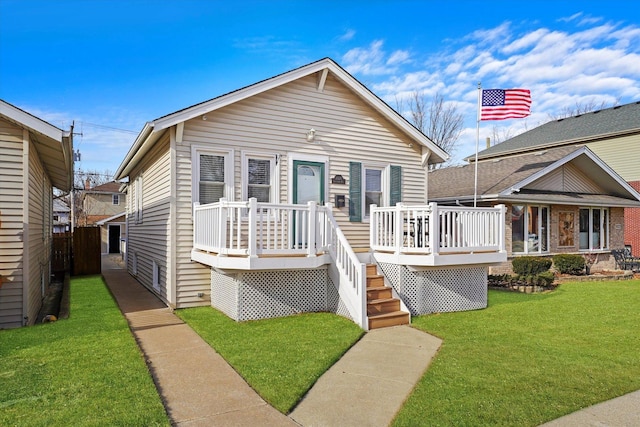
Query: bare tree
[(582, 108), (439, 120), (84, 180)]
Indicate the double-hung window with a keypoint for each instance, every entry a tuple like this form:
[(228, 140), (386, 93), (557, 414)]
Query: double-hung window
[(115, 199), (594, 228), (212, 175), (529, 229), (259, 177), (379, 185)]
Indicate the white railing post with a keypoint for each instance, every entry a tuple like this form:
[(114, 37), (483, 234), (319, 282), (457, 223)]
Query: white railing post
[(222, 227), (374, 223), (253, 229), (311, 229), (502, 244), (195, 224), (398, 224), (434, 229)]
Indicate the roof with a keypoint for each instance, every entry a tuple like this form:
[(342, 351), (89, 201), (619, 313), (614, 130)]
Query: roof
[(506, 179), (601, 124), (109, 187), (152, 130), (60, 205), (54, 146), (120, 216)]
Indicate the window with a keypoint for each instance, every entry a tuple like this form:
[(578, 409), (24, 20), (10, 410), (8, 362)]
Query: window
[(116, 199), (213, 175), (372, 185), (259, 177), (137, 199), (529, 229), (594, 228), (156, 275)]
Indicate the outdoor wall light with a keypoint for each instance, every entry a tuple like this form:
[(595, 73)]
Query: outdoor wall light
[(311, 134), (204, 117)]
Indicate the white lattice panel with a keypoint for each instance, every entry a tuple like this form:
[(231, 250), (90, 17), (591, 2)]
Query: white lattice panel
[(267, 294), (224, 293), (439, 290)]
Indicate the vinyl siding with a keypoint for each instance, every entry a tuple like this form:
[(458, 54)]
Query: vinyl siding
[(11, 224), (568, 178), (275, 122), (39, 234), (149, 239), (621, 154)]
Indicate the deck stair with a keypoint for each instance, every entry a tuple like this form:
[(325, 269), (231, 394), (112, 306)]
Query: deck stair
[(383, 310)]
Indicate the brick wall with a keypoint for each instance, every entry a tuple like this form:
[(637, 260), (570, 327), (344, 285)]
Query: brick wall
[(632, 224)]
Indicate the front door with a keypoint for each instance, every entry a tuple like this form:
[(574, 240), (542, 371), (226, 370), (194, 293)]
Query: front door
[(308, 186), (308, 182)]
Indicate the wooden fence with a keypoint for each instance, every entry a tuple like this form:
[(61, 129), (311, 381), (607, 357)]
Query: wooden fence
[(86, 250)]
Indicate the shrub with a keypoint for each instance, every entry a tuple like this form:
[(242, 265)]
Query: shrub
[(530, 265), (569, 263)]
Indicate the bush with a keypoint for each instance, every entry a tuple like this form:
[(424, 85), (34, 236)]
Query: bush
[(530, 265), (569, 263)]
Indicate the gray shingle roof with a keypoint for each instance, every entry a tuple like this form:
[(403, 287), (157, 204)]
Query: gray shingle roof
[(590, 126)]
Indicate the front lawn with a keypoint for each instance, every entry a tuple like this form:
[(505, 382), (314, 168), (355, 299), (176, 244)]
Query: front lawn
[(280, 358), (530, 358), (86, 370)]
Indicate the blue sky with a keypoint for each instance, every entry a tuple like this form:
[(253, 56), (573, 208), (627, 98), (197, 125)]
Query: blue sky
[(110, 66)]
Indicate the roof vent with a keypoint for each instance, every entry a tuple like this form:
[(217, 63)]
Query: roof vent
[(540, 153), (496, 160), (617, 106)]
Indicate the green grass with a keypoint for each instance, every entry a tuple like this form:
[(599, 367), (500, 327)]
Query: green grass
[(84, 371), (528, 359), (280, 358)]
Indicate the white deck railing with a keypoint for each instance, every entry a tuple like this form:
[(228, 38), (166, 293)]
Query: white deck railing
[(434, 229), (250, 228), (253, 229)]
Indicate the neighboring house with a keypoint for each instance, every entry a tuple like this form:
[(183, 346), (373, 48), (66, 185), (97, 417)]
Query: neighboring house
[(35, 156), (271, 200), (613, 134), (102, 202), (113, 232), (559, 200), (61, 216)]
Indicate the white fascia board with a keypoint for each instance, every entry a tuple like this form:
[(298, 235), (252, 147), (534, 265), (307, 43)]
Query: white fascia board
[(31, 122), (516, 187), (111, 218), (134, 152), (341, 74)]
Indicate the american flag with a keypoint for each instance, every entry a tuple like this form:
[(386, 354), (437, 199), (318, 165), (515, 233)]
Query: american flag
[(500, 104)]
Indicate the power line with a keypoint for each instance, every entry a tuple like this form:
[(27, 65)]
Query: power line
[(95, 125)]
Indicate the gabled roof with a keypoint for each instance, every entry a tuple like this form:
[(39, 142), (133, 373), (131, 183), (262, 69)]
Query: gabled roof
[(611, 122), (152, 130), (112, 218), (54, 145), (506, 179)]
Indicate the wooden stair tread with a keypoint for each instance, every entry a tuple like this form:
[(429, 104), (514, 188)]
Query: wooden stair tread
[(389, 314), (377, 288), (381, 300)]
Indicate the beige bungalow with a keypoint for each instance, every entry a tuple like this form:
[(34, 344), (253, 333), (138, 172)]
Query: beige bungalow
[(303, 192), (559, 200), (35, 156)]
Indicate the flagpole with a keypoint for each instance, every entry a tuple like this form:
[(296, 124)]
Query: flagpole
[(475, 182)]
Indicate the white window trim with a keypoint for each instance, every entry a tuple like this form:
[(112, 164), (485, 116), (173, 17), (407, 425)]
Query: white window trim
[(137, 202), (196, 151), (291, 157), (386, 170), (603, 226), (274, 170), (526, 231)]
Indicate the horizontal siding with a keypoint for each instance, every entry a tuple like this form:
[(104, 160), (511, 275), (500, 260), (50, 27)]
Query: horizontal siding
[(276, 122), (149, 240), (621, 154), (12, 224)]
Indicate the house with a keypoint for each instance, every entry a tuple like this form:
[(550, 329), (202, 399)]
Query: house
[(613, 134), (61, 216), (561, 199), (101, 202), (303, 192), (35, 157)]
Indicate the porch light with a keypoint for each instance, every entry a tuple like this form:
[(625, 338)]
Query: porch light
[(311, 134)]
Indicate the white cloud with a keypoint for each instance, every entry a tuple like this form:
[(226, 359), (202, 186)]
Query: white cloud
[(347, 36), (398, 57)]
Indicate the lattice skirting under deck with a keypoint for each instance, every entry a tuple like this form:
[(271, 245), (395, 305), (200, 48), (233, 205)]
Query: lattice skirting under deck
[(438, 290), (267, 294)]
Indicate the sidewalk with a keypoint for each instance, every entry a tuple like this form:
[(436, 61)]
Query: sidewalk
[(623, 411), (197, 386)]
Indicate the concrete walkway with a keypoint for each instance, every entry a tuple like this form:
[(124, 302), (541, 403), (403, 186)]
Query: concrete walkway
[(366, 387)]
